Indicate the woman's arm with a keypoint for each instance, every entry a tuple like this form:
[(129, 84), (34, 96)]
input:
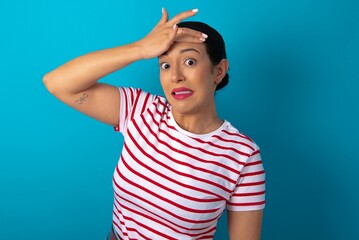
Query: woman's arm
[(245, 225), (75, 82)]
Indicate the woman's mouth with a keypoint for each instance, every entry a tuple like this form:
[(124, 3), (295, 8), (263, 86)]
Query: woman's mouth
[(181, 93)]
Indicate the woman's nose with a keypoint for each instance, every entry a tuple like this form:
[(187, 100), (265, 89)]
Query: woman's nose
[(177, 75)]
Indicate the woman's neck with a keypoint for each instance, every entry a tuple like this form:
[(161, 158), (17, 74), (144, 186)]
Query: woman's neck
[(198, 123)]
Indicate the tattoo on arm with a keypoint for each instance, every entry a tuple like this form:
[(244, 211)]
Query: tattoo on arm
[(82, 99)]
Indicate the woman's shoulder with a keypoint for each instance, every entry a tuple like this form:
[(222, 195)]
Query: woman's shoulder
[(234, 135), (134, 93)]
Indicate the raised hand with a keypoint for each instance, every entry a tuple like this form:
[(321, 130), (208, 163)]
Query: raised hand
[(166, 32)]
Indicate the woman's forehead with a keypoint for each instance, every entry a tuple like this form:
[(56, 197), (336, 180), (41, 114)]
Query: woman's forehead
[(180, 48)]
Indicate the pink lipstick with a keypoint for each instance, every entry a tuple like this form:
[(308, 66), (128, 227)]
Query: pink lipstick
[(181, 93)]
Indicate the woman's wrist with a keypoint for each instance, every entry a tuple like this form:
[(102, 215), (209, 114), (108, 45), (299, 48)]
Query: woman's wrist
[(138, 50)]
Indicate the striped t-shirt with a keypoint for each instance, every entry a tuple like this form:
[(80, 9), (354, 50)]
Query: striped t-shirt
[(173, 184)]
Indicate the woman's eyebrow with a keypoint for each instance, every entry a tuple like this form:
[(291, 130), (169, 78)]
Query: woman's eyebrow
[(188, 49), (181, 51)]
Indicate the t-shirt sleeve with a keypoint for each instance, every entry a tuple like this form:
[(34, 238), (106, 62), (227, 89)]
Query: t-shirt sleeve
[(249, 194), (133, 102)]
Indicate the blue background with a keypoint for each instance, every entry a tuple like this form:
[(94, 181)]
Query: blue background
[(293, 89)]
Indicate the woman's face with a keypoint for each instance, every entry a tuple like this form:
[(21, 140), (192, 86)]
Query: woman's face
[(188, 78)]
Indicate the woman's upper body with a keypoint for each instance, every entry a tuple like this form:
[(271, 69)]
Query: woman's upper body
[(188, 78), (171, 183)]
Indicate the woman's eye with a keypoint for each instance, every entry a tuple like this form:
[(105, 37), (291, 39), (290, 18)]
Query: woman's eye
[(190, 62), (165, 66)]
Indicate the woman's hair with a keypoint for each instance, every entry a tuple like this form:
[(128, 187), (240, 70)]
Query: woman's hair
[(214, 45)]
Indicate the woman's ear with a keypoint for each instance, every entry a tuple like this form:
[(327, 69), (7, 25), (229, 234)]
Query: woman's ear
[(222, 68)]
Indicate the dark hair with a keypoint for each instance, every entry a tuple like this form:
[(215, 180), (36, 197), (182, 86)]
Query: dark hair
[(214, 45)]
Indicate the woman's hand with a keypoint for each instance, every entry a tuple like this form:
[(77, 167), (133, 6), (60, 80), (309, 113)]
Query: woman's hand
[(166, 32)]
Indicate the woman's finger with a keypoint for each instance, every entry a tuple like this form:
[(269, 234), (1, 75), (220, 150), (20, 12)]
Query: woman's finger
[(174, 33), (190, 32), (181, 16), (190, 39), (164, 18)]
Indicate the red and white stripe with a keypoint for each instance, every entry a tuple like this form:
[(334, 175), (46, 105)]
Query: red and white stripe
[(172, 184)]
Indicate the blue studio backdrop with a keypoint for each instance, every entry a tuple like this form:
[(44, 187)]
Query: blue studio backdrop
[(293, 89)]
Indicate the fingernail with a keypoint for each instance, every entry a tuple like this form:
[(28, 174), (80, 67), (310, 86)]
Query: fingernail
[(202, 39), (204, 35), (195, 10), (162, 9), (174, 26)]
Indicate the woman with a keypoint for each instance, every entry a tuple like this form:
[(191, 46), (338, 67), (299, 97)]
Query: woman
[(181, 165)]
